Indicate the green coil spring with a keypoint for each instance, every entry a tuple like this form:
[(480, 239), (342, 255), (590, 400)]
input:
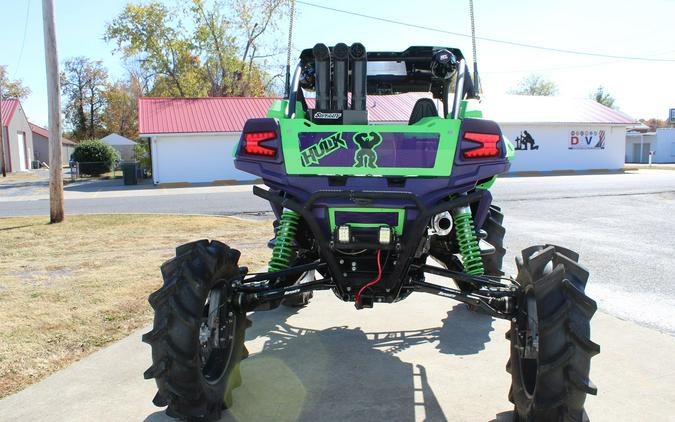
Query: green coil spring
[(285, 236), (468, 243)]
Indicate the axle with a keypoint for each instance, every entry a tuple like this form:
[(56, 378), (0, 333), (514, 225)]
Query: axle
[(260, 291)]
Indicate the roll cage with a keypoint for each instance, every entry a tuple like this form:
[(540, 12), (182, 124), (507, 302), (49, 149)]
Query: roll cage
[(439, 70)]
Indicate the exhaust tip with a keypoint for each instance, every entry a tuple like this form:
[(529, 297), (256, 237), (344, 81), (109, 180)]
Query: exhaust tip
[(321, 52), (357, 51), (341, 51)]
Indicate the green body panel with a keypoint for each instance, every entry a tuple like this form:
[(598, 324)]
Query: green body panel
[(398, 229), (447, 129)]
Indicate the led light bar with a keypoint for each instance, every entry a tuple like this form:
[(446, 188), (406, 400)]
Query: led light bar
[(385, 235), (344, 234)]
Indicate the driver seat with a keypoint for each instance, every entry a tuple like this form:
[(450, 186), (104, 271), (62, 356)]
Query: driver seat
[(424, 107)]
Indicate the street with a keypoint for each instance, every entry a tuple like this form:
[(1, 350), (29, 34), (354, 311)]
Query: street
[(619, 223)]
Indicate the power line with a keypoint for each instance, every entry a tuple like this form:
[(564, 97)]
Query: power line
[(459, 34), (23, 43)]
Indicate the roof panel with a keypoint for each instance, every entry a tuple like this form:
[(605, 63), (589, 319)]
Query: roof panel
[(228, 114), (9, 106)]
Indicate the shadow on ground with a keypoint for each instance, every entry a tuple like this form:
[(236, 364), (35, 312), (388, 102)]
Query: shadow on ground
[(345, 374)]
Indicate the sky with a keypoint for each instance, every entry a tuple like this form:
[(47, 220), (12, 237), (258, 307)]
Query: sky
[(642, 89)]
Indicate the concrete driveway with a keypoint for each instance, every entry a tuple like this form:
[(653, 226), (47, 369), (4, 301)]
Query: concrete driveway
[(425, 359)]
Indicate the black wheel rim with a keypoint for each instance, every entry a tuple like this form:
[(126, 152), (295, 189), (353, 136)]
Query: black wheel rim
[(528, 359), (215, 353)]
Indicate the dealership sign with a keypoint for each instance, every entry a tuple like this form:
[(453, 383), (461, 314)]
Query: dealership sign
[(587, 139)]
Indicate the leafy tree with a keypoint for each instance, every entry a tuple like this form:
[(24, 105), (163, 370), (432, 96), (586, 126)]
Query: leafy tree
[(95, 157), (654, 123), (195, 50), (121, 111), (12, 88), (164, 50), (535, 85), (83, 83), (603, 97)]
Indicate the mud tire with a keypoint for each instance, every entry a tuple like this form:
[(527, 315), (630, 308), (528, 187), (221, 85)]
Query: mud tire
[(552, 387), (190, 387)]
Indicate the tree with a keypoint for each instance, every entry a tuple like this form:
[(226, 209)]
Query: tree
[(654, 123), (83, 83), (535, 85), (12, 88), (204, 56), (121, 111), (603, 97)]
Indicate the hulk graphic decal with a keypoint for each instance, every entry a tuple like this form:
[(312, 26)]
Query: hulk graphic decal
[(366, 156), (326, 146)]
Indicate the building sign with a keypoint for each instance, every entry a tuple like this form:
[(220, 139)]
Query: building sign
[(524, 140), (587, 139)]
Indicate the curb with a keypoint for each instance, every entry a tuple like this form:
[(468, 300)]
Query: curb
[(213, 183), (566, 172)]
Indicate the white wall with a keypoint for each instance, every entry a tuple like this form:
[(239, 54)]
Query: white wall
[(554, 151), (639, 143), (195, 159), (665, 146)]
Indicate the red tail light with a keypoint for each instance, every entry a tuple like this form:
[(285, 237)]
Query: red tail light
[(488, 146), (253, 143)]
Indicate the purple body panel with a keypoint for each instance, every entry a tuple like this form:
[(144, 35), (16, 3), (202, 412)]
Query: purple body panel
[(429, 190), (395, 150)]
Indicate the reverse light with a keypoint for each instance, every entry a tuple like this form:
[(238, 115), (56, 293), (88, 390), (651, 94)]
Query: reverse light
[(488, 146), (385, 235), (253, 143), (344, 234)]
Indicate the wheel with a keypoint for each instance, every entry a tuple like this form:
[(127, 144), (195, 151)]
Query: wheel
[(198, 336), (300, 299), (551, 349)]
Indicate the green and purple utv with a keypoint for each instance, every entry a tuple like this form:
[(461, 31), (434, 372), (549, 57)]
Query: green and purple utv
[(361, 209)]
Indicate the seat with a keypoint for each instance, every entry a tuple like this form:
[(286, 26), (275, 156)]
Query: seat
[(424, 107)]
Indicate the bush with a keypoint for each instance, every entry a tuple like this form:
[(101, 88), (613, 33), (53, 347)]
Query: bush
[(142, 152), (95, 157)]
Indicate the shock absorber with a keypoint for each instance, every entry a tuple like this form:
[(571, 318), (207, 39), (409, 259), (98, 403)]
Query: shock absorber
[(467, 241), (285, 236)]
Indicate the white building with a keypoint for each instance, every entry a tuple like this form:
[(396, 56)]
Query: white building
[(557, 133), (192, 139), (124, 146), (661, 144)]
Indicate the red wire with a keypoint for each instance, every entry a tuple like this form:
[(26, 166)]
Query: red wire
[(372, 283)]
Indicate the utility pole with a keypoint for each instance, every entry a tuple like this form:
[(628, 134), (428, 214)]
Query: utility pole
[(54, 102)]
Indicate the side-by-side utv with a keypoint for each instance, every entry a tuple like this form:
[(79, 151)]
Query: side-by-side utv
[(362, 210)]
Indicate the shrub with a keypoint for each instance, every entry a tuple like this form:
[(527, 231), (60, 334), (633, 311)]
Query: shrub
[(95, 157), (142, 152)]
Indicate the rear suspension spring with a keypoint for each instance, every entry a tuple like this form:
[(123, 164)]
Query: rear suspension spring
[(285, 237), (467, 241)]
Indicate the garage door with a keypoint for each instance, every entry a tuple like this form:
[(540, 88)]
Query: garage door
[(195, 159)]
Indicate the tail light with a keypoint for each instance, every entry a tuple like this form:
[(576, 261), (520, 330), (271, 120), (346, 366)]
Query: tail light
[(488, 145), (254, 143)]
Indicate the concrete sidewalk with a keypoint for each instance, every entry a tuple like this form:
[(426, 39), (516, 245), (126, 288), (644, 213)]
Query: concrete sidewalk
[(426, 358)]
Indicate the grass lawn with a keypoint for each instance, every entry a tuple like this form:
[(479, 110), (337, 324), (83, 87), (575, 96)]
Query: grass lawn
[(69, 289)]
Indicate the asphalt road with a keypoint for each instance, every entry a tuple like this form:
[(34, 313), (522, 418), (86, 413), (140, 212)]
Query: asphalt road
[(621, 224)]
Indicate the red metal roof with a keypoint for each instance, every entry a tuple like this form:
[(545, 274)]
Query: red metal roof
[(45, 133), (228, 114), (8, 108), (543, 109)]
